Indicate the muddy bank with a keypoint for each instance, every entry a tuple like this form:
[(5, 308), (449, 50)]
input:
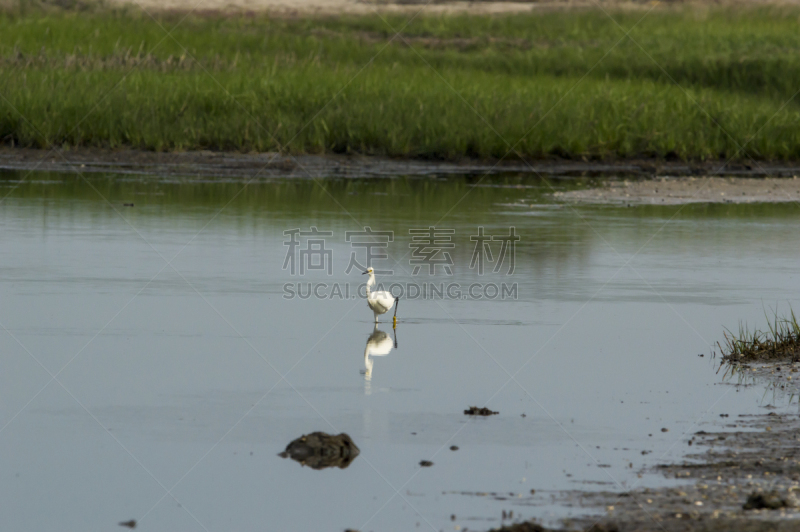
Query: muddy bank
[(744, 188), (758, 456), (238, 166), (743, 478)]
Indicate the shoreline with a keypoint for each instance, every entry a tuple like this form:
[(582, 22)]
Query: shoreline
[(231, 165)]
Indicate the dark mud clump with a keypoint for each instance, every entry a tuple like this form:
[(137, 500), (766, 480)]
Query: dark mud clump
[(770, 500), (475, 411), (319, 450), (426, 463)]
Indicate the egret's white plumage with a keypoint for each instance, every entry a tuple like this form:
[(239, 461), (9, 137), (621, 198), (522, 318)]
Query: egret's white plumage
[(381, 301)]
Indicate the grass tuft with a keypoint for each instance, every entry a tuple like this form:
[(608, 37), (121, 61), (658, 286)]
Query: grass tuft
[(780, 342)]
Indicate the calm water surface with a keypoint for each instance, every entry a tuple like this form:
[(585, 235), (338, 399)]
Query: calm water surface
[(151, 367)]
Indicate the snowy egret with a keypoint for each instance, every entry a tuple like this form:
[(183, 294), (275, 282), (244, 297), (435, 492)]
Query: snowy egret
[(381, 301), (378, 345)]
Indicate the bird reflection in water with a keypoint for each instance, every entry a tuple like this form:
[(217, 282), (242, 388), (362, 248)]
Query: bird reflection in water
[(379, 344)]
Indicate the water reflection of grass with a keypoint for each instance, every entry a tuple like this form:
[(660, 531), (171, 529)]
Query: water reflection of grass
[(257, 82)]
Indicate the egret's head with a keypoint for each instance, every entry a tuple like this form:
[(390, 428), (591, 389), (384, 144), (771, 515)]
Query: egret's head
[(369, 271)]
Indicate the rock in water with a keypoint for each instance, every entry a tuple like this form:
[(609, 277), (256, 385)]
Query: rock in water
[(319, 450)]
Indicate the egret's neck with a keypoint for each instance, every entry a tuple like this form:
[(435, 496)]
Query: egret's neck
[(370, 282)]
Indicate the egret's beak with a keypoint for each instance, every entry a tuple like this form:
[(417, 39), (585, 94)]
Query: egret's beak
[(365, 273)]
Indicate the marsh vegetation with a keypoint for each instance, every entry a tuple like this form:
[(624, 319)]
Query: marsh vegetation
[(691, 83)]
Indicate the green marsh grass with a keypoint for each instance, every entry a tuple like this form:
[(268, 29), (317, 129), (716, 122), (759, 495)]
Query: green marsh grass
[(780, 342), (558, 84)]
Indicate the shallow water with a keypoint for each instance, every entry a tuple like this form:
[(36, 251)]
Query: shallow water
[(167, 331)]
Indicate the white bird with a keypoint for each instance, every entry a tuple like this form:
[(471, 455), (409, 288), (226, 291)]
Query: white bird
[(378, 345), (381, 301)]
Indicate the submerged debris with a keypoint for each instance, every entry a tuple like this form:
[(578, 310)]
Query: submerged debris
[(129, 524), (319, 450), (475, 411), (426, 463)]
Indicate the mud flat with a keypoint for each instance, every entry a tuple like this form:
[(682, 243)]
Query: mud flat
[(680, 190), (756, 462), (759, 456), (745, 477)]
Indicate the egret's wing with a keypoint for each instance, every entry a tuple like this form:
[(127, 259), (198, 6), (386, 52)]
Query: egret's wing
[(384, 299)]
